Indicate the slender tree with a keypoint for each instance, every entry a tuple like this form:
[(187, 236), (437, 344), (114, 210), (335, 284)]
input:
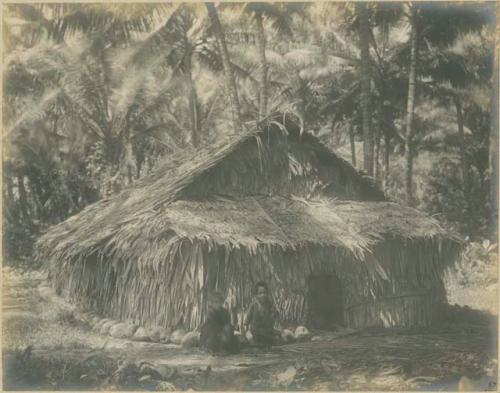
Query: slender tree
[(279, 17), (352, 143), (261, 47), (23, 199), (410, 106), (364, 39), (494, 144), (466, 177), (438, 30), (376, 159), (226, 62)]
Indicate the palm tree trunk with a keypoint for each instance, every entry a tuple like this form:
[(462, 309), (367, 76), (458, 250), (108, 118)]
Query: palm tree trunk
[(261, 48), (381, 131), (23, 200), (149, 162), (226, 63), (9, 187), (410, 109), (494, 145), (192, 101), (377, 157), (364, 36), (301, 103), (128, 159), (353, 144), (138, 166), (193, 110), (466, 180), (36, 191), (387, 147)]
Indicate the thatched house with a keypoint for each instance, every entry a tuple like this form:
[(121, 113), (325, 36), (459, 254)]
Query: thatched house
[(272, 205)]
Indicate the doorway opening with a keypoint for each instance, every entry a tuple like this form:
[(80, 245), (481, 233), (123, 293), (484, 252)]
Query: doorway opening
[(324, 300)]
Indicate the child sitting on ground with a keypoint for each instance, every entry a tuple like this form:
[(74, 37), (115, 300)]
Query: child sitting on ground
[(261, 317), (217, 334)]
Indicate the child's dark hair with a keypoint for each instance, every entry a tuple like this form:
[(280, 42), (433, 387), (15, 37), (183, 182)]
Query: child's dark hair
[(261, 284)]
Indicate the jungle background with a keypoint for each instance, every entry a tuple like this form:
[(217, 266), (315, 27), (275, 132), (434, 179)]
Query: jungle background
[(94, 95)]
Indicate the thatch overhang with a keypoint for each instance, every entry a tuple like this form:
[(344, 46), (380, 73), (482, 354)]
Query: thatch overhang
[(246, 221)]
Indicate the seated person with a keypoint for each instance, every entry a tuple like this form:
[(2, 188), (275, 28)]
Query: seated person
[(217, 334), (261, 317)]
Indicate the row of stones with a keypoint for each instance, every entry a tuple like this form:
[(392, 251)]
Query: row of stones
[(159, 334), (124, 330)]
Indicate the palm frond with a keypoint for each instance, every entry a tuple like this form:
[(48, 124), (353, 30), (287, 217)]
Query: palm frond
[(37, 112), (35, 25), (122, 23), (152, 101)]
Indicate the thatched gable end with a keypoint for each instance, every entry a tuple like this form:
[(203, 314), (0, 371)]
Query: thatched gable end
[(316, 170), (258, 166)]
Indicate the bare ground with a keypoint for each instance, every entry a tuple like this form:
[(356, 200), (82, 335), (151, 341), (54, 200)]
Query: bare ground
[(44, 347)]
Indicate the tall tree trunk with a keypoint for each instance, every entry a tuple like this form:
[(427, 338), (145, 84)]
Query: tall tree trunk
[(364, 37), (138, 166), (494, 142), (387, 150), (195, 118), (377, 157), (192, 101), (261, 48), (410, 108), (464, 165), (301, 102), (127, 165), (9, 186), (381, 131), (226, 63), (37, 194), (23, 200), (353, 144)]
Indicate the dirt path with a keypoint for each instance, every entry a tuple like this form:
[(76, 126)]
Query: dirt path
[(396, 359)]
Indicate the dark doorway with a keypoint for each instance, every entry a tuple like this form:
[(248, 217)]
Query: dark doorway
[(324, 302)]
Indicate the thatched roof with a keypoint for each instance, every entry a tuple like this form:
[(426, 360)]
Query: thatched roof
[(248, 222), (221, 194)]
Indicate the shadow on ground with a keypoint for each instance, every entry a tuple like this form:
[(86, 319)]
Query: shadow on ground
[(46, 349)]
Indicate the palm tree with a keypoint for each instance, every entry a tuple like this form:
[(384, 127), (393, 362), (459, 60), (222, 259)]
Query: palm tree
[(179, 30), (261, 46), (364, 40), (494, 145), (127, 114), (385, 17), (116, 109), (436, 27), (410, 108), (184, 37), (303, 75), (228, 69), (456, 74), (279, 15), (352, 144)]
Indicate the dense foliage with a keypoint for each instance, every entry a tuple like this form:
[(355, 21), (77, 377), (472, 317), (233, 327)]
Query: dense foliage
[(95, 94)]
